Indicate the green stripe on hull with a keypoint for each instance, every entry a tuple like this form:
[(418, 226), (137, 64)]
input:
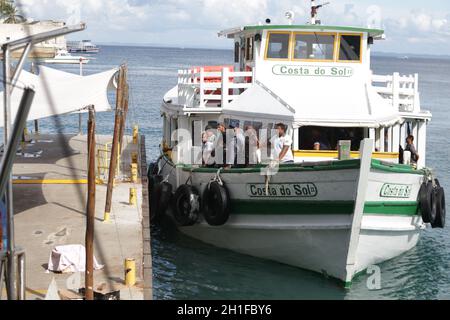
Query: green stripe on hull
[(291, 207), (392, 208), (264, 207)]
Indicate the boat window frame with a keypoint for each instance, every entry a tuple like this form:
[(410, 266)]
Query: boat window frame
[(338, 50), (335, 46), (269, 34)]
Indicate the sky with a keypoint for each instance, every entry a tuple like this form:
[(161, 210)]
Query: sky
[(411, 26)]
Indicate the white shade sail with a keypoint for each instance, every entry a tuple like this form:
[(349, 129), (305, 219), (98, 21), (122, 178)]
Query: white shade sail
[(258, 103), (59, 92)]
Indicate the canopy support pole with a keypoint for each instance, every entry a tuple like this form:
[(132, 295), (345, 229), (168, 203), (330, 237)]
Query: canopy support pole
[(115, 144), (90, 216)]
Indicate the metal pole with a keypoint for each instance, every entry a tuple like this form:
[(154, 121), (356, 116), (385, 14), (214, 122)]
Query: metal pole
[(11, 270), (80, 116), (89, 276), (22, 276), (36, 122), (115, 144)]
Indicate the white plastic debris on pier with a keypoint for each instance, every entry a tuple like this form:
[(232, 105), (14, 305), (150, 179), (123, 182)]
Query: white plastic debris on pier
[(70, 259), (59, 92)]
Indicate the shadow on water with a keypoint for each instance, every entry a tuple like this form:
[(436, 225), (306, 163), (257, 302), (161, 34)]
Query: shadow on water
[(190, 269)]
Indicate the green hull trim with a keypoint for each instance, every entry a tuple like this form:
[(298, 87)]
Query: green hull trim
[(399, 208), (395, 168), (337, 165), (292, 207)]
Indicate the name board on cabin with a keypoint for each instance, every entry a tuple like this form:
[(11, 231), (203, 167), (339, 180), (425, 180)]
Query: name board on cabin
[(315, 71)]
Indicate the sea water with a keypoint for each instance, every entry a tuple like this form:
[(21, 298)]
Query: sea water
[(184, 268)]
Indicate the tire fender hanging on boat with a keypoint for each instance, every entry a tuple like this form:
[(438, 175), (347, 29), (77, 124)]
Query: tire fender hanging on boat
[(439, 221), (216, 204), (186, 205), (427, 202), (159, 200)]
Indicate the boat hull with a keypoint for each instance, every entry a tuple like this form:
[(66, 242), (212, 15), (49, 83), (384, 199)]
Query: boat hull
[(311, 230)]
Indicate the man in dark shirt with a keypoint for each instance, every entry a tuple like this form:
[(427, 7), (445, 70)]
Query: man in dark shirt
[(411, 148)]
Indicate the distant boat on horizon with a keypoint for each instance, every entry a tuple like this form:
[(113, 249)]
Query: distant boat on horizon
[(84, 46)]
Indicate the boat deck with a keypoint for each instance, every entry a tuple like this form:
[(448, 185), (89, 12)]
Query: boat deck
[(50, 193)]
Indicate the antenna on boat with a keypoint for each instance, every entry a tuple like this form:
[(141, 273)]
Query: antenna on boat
[(314, 11)]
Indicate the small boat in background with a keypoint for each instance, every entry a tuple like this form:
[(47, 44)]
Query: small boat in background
[(64, 57), (84, 46)]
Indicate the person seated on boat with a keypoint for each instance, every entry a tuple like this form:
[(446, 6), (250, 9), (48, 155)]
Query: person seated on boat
[(411, 148), (282, 145), (284, 51), (209, 142), (320, 143)]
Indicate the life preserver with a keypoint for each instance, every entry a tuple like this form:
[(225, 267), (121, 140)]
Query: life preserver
[(216, 204), (427, 202), (159, 200), (439, 222), (186, 205)]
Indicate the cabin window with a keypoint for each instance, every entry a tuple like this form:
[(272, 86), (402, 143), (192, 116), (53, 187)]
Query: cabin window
[(237, 49), (314, 47), (322, 138), (350, 48), (249, 49), (278, 46), (231, 123)]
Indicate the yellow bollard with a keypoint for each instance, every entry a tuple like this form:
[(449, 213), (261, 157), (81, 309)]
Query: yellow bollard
[(134, 157), (25, 131), (130, 272), (135, 134), (106, 217), (134, 173), (133, 197)]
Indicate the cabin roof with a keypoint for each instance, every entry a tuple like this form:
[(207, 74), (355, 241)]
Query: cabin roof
[(376, 33)]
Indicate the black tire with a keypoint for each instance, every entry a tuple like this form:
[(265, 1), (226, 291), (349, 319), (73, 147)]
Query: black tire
[(186, 205), (153, 181), (152, 169), (216, 204), (440, 209), (160, 200), (427, 201)]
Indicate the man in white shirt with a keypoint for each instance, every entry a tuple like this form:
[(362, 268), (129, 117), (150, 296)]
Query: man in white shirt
[(282, 145)]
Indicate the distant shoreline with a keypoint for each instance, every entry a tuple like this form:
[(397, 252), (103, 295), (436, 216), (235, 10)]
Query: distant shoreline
[(379, 54)]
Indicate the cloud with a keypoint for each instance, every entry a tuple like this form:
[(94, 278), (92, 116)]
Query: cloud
[(198, 21)]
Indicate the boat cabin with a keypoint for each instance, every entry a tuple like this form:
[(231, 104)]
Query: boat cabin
[(316, 79)]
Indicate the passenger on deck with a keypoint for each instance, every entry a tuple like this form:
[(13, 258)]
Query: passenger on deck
[(411, 148), (282, 145), (222, 145), (209, 142), (319, 142), (239, 147), (252, 146)]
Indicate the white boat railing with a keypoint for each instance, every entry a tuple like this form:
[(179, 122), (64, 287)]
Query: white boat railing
[(200, 89), (402, 91)]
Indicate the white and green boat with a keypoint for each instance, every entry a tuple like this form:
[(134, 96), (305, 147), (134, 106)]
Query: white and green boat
[(333, 212)]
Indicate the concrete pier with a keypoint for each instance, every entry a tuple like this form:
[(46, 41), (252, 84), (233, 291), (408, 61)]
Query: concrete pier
[(50, 190)]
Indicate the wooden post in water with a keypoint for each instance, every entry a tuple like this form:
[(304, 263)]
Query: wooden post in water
[(90, 217), (115, 144)]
